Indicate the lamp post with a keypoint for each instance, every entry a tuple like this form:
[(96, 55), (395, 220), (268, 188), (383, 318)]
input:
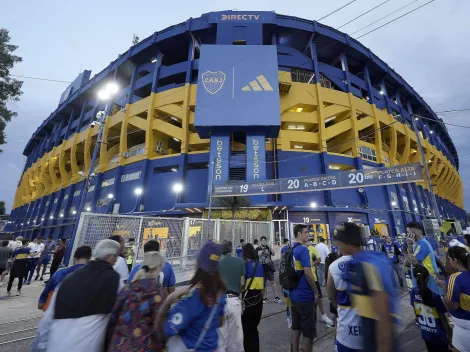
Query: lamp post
[(104, 94)]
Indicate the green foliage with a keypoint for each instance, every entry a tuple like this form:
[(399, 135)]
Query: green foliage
[(233, 204), (2, 208), (10, 88)]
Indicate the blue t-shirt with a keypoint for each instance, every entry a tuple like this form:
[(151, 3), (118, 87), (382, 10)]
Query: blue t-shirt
[(303, 292), (422, 251), (55, 280), (21, 253), (334, 249), (431, 326), (258, 277), (284, 249), (390, 252), (166, 278), (188, 317), (366, 273), (458, 290), (238, 251)]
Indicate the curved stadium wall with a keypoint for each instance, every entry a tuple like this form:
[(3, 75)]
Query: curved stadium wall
[(341, 108)]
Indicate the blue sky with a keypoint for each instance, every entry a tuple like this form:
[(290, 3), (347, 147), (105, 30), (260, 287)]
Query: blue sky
[(58, 39)]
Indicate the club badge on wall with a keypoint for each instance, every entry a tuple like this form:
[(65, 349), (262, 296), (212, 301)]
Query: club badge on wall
[(213, 81)]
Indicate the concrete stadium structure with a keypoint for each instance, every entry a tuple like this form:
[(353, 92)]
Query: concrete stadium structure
[(301, 99)]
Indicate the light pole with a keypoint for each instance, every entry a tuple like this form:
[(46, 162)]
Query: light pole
[(104, 94)]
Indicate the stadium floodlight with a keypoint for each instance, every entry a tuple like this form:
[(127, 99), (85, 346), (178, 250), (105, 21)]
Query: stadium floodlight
[(74, 212), (61, 215), (88, 209), (110, 196), (177, 187), (138, 191), (394, 204), (51, 217), (313, 205), (108, 91)]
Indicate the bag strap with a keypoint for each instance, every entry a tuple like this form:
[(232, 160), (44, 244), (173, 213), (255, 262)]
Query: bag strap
[(252, 279), (207, 324)]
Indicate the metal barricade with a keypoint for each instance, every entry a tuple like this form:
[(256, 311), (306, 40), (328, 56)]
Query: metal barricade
[(179, 238)]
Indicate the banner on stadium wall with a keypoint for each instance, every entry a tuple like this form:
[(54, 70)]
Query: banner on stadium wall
[(238, 88), (219, 154), (332, 181), (255, 157), (242, 17)]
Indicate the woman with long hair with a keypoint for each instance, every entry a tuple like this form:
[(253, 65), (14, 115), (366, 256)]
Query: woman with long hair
[(131, 325), (457, 297), (430, 312), (252, 298), (197, 310)]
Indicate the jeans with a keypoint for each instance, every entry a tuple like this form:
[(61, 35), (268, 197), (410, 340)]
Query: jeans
[(250, 319), (397, 269), (33, 262), (321, 273), (231, 333)]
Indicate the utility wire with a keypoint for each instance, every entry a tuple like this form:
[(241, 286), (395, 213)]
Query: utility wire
[(41, 79), (333, 12), (363, 14), (395, 19), (451, 111), (380, 19)]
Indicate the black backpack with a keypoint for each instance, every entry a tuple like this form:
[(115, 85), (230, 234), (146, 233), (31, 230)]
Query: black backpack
[(288, 277)]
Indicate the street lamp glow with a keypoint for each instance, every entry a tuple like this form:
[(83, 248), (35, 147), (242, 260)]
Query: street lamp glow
[(112, 88), (61, 215), (138, 191), (313, 205), (88, 209), (51, 217), (110, 196), (42, 219), (74, 212), (177, 187), (103, 95), (416, 210), (394, 204)]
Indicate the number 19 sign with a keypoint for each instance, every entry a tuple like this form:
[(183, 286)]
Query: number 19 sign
[(331, 181)]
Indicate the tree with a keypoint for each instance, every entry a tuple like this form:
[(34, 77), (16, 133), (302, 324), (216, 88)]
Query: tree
[(2, 208), (232, 203), (10, 88)]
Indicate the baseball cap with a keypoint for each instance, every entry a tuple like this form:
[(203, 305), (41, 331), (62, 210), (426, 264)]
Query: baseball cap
[(209, 256), (152, 260), (349, 233)]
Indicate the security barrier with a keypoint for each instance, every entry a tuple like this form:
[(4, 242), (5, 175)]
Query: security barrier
[(180, 238)]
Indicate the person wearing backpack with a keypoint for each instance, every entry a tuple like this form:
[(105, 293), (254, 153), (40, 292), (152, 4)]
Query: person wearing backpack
[(296, 276)]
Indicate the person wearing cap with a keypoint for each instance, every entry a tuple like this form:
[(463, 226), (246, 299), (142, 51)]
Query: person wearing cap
[(167, 274), (197, 310), (369, 280), (421, 252), (131, 326)]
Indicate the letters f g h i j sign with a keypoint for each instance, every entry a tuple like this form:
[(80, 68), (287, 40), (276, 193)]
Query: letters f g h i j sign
[(213, 81)]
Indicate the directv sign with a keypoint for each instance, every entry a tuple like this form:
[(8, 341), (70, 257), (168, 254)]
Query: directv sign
[(336, 180), (238, 90), (242, 17)]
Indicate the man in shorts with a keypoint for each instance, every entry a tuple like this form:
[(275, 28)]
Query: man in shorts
[(305, 296), (265, 255)]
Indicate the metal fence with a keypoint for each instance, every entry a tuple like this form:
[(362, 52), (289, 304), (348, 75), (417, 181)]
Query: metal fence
[(180, 238)]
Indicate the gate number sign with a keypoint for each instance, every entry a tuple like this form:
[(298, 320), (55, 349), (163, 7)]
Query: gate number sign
[(331, 181)]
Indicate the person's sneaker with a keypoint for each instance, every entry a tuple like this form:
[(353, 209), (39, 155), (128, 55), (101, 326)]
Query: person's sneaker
[(27, 283), (45, 282), (1, 284), (327, 320), (277, 299), (41, 279), (36, 278), (18, 293), (8, 293), (265, 300)]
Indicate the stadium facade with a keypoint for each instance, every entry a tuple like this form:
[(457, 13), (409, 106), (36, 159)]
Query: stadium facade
[(265, 96)]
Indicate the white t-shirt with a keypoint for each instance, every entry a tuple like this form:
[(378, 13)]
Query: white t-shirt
[(15, 244), (323, 250), (121, 268), (349, 329), (36, 247)]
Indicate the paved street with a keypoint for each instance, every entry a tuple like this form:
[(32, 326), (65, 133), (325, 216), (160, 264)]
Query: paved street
[(19, 317)]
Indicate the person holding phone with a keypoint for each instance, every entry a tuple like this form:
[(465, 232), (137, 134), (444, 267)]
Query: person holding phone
[(420, 252)]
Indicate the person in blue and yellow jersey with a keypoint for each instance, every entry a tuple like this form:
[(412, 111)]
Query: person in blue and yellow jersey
[(305, 296), (420, 252), (255, 285), (196, 311), (457, 297), (370, 287), (430, 313), (20, 266), (239, 248)]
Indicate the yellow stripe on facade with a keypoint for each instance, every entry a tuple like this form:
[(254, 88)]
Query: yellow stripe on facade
[(42, 178)]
